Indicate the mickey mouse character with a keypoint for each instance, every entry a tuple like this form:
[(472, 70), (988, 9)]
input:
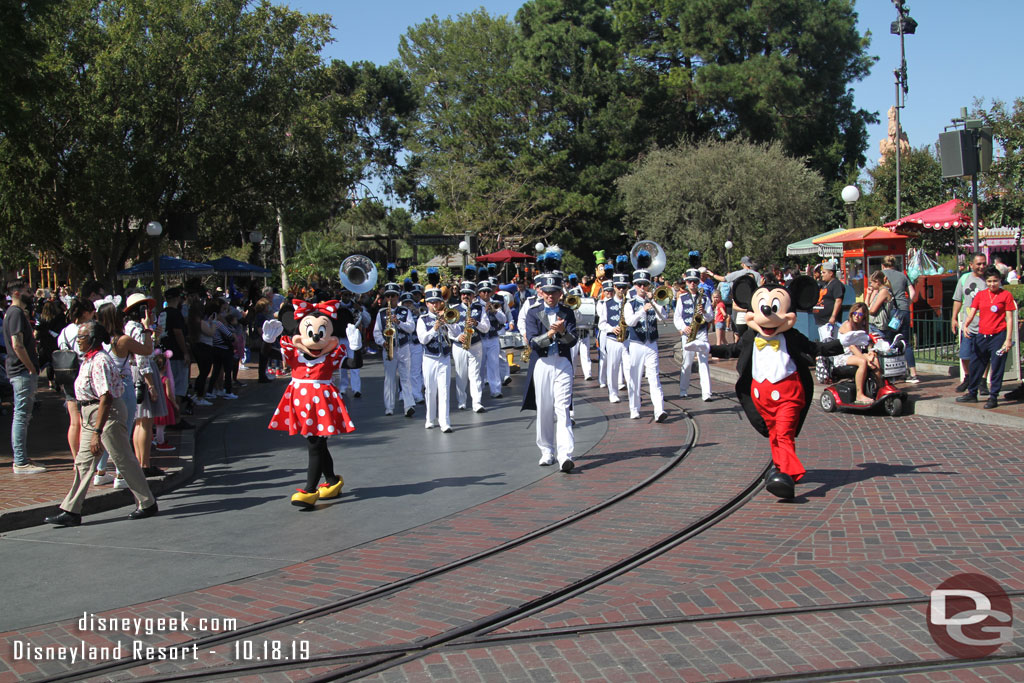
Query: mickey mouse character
[(312, 406), (774, 385)]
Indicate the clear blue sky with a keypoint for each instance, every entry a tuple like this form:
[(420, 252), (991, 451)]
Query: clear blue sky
[(961, 51)]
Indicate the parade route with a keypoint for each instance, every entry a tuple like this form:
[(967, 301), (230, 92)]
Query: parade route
[(434, 539)]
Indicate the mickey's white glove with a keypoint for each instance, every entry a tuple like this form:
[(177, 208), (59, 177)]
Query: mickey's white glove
[(355, 338), (272, 329)]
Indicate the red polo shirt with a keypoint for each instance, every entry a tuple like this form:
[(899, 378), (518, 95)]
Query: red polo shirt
[(992, 310)]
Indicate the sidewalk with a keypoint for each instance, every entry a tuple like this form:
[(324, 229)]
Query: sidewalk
[(25, 499), (933, 397)]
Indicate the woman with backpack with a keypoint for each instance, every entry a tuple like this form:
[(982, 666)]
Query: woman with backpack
[(80, 312)]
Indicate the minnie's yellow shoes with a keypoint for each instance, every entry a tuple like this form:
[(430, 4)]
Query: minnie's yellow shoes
[(330, 491), (305, 500)]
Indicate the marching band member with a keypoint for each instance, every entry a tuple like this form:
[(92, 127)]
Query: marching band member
[(435, 336), (396, 368), (468, 362), (415, 348), (698, 348), (504, 294), (345, 378), (617, 359), (581, 350), (642, 316), (550, 331), (491, 345)]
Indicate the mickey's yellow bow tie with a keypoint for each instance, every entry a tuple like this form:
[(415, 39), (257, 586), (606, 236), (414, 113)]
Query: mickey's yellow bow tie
[(760, 343)]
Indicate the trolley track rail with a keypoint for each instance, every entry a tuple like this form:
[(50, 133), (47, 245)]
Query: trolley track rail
[(392, 588)]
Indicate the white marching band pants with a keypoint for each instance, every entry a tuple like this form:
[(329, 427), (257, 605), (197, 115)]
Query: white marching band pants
[(643, 360)]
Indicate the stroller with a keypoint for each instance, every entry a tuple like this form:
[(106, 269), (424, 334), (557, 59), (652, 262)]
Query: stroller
[(843, 392)]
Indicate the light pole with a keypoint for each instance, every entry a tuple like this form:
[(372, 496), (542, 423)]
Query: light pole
[(464, 250), (904, 25), (539, 248), (154, 230), (850, 195), (728, 261)]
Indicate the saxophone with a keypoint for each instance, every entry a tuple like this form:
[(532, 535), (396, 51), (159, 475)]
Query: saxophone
[(622, 331), (389, 334), (698, 322), (470, 328)]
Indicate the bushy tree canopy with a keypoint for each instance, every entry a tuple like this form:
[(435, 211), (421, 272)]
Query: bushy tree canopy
[(698, 196)]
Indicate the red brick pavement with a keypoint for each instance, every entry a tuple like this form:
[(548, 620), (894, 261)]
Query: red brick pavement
[(864, 531)]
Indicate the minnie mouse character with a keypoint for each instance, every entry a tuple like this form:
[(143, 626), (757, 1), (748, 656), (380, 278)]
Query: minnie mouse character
[(774, 385), (311, 405)]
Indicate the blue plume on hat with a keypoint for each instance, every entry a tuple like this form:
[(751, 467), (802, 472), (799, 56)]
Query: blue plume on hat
[(492, 268), (643, 259), (573, 277), (470, 272), (433, 276), (392, 271), (694, 259), (622, 264), (553, 259), (407, 284), (414, 276)]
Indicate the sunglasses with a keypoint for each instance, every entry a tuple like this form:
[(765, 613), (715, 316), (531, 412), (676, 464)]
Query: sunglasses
[(856, 315)]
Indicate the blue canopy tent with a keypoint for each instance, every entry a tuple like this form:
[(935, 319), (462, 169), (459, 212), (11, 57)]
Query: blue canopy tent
[(230, 266), (168, 266)]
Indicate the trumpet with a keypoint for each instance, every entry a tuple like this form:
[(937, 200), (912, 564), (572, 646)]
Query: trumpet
[(573, 301)]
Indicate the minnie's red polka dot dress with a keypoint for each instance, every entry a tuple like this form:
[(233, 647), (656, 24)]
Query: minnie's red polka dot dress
[(311, 405)]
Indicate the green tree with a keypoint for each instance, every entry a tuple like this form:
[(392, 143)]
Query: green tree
[(472, 136), (1004, 204), (698, 196), (214, 108), (921, 186), (762, 70), (588, 109)]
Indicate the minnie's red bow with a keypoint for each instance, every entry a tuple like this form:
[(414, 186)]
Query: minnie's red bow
[(328, 308)]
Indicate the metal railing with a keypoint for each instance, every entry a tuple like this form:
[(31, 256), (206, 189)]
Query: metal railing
[(934, 341)]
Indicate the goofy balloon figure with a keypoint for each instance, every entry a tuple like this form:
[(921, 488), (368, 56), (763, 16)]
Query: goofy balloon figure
[(311, 405), (774, 385)]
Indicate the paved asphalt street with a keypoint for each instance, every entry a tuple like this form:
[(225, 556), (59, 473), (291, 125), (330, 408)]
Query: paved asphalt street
[(235, 520)]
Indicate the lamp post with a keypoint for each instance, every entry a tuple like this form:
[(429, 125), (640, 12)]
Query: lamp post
[(728, 261), (464, 250), (154, 230), (850, 195), (904, 25)]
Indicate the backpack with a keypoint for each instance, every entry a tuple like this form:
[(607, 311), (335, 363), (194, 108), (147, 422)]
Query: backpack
[(65, 363)]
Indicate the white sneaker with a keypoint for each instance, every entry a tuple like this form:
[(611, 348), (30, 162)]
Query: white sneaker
[(120, 483), (28, 468), (230, 397), (634, 416), (201, 402), (546, 460), (428, 425), (101, 479), (217, 393), (614, 399)]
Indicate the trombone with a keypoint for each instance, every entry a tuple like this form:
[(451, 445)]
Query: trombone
[(573, 301), (663, 295)]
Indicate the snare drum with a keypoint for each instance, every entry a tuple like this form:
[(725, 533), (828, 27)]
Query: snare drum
[(586, 314)]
